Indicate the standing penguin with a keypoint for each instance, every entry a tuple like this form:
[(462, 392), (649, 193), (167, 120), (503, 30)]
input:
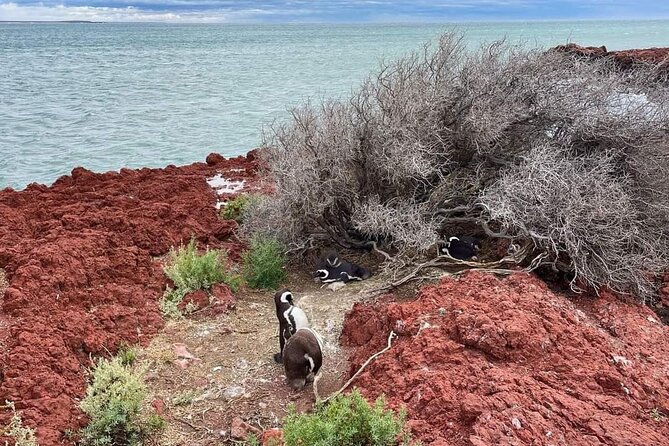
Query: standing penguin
[(461, 248), (291, 319), (302, 357), (332, 268)]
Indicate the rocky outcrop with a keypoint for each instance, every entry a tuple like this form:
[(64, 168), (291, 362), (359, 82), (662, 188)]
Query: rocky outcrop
[(82, 276), (486, 361), (626, 59)]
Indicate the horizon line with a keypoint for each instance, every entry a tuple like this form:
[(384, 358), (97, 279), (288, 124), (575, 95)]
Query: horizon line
[(343, 22)]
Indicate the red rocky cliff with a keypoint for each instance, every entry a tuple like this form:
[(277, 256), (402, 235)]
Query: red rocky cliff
[(79, 259), (486, 361), (625, 58)]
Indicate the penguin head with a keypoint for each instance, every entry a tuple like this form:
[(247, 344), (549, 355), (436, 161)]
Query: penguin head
[(321, 274), (283, 298), (332, 259)]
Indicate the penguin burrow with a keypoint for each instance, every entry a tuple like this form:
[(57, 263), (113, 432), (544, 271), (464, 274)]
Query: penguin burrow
[(302, 357), (333, 268), (291, 319)]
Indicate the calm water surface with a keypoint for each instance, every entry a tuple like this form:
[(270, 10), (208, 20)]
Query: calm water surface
[(107, 96)]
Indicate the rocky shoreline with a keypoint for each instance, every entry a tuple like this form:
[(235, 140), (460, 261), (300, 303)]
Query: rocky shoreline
[(79, 257)]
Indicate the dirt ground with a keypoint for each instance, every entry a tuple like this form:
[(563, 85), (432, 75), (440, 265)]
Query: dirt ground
[(234, 374)]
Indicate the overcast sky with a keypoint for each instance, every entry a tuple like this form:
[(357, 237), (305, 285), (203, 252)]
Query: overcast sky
[(333, 11)]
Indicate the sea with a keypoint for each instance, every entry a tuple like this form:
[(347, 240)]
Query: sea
[(112, 95)]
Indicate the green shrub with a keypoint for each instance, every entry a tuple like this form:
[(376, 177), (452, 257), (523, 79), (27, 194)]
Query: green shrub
[(235, 209), (264, 263), (114, 404), (127, 354), (347, 420), (22, 436), (169, 303), (192, 271)]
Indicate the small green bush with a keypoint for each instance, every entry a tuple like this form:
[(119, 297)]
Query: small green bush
[(264, 263), (114, 404), (235, 209), (22, 436), (346, 420), (192, 271)]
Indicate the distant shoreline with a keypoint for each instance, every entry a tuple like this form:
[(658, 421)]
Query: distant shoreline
[(48, 21)]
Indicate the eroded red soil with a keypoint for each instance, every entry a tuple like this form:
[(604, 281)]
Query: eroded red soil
[(82, 278), (625, 58), (487, 361)]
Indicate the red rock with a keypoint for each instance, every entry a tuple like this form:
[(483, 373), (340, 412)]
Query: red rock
[(159, 406), (80, 260), (272, 437), (240, 430), (511, 362), (626, 59), (196, 299), (214, 158)]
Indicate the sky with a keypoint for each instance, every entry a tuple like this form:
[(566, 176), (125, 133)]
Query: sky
[(330, 11)]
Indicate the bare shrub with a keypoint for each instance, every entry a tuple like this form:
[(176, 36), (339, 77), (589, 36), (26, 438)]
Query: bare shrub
[(446, 137), (581, 211)]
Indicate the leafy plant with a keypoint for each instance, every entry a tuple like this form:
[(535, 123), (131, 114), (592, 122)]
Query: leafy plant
[(235, 208), (190, 271), (346, 420), (22, 436), (127, 355), (264, 263), (113, 403), (169, 303)]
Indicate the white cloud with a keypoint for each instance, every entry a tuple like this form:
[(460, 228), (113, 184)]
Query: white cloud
[(15, 12)]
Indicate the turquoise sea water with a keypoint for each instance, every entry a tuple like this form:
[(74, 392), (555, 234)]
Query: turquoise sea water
[(107, 96)]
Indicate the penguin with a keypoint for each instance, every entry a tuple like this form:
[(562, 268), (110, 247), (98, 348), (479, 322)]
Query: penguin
[(302, 357), (332, 268), (291, 319), (461, 248)]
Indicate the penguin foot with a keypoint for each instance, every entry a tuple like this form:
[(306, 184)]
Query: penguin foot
[(278, 358)]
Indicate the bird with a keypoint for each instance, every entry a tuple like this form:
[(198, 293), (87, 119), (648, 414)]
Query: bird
[(333, 268), (462, 247)]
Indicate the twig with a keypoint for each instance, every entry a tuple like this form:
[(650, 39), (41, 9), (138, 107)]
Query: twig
[(391, 336), (447, 260), (383, 253), (196, 429)]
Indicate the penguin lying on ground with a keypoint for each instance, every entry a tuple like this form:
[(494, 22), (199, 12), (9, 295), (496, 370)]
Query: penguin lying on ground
[(302, 357), (291, 319), (461, 248), (332, 268)]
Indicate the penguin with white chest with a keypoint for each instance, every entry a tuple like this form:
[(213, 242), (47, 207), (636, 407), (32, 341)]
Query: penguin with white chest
[(461, 248), (291, 319), (302, 357), (333, 268)]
